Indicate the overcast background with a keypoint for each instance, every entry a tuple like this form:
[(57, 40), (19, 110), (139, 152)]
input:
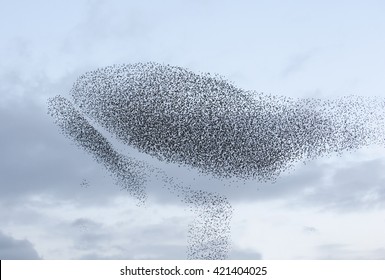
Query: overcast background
[(57, 203)]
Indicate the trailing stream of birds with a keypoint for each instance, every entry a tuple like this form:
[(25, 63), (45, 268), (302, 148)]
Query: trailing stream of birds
[(205, 122)]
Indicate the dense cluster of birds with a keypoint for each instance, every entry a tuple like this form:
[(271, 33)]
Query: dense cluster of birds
[(205, 122), (209, 233), (128, 172)]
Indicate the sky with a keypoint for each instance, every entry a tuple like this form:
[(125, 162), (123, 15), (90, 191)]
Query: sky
[(56, 202)]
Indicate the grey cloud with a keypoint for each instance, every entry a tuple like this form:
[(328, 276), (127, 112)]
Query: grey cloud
[(36, 159), (356, 187), (346, 252), (154, 241), (239, 254), (91, 239), (89, 235), (378, 254), (143, 252), (85, 224), (15, 249)]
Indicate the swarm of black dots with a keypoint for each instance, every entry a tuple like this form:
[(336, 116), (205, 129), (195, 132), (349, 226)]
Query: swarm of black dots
[(209, 233), (205, 122)]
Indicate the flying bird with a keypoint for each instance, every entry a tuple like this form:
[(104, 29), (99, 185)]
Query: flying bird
[(208, 123)]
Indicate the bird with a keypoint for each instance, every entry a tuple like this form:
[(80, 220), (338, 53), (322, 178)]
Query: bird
[(206, 122)]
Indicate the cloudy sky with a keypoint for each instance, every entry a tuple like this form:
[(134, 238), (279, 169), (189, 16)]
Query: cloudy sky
[(57, 203)]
